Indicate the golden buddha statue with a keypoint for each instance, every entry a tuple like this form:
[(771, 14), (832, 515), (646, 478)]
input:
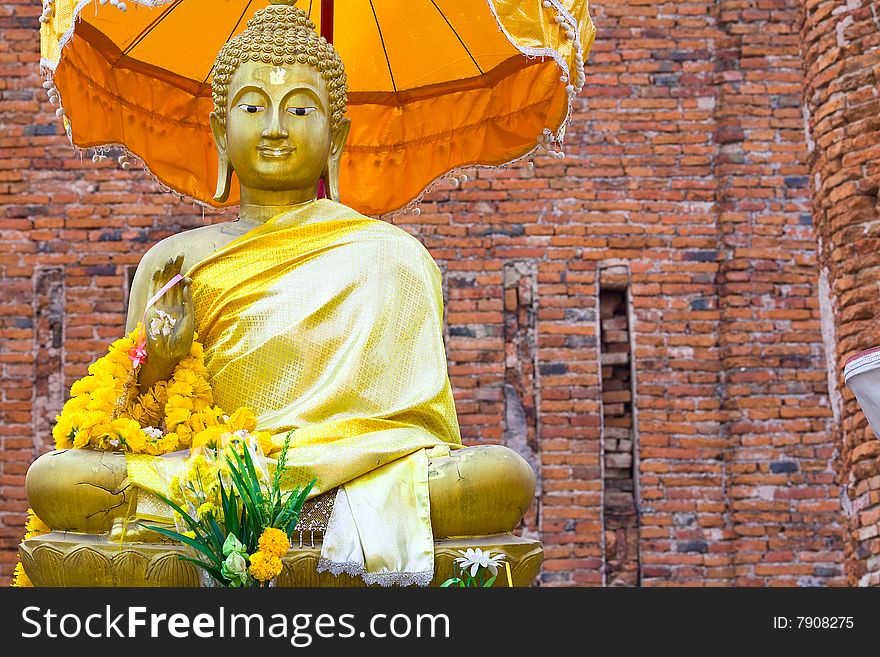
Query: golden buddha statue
[(322, 321)]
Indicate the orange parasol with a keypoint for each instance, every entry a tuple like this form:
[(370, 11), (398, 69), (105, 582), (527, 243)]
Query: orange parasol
[(433, 84)]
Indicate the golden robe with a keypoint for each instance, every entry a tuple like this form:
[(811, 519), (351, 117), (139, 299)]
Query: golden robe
[(330, 323)]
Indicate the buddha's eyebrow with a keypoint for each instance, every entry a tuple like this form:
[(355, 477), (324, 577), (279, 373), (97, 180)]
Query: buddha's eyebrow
[(309, 91)]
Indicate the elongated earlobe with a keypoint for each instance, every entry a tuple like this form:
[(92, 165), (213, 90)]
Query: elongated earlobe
[(331, 171), (224, 168), (224, 178)]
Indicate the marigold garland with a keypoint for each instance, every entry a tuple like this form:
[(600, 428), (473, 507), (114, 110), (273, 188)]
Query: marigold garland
[(106, 413)]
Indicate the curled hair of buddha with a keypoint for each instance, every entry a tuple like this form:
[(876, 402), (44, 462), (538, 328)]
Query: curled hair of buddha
[(281, 34)]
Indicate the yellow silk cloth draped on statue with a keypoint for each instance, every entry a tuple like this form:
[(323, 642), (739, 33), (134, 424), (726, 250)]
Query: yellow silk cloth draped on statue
[(330, 323)]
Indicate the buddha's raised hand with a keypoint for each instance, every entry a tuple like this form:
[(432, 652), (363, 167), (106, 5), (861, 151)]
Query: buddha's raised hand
[(170, 325)]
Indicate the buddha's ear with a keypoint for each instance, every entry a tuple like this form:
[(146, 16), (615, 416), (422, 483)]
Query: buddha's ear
[(337, 144), (224, 167)]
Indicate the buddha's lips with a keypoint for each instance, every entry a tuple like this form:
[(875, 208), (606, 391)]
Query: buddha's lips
[(268, 151)]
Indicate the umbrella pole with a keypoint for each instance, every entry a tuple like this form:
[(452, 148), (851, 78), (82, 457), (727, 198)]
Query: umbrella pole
[(327, 20)]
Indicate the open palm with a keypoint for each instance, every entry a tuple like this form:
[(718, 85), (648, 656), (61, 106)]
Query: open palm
[(173, 311)]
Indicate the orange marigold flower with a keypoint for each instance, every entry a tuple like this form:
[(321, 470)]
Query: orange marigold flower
[(264, 566), (274, 542)]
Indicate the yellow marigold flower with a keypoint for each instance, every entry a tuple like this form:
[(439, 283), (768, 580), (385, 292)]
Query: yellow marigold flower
[(184, 435), (189, 534), (198, 421), (82, 438), (243, 418), (139, 414), (34, 526), (91, 419), (179, 388), (160, 392), (136, 441), (104, 399), (123, 344), (199, 469), (149, 402), (84, 386), (186, 376), (118, 363), (264, 566), (178, 401), (274, 542), (124, 427), (76, 404), (205, 509), (200, 402), (174, 416), (20, 578), (63, 429), (168, 443), (97, 367), (150, 408), (210, 437), (264, 440), (197, 351)]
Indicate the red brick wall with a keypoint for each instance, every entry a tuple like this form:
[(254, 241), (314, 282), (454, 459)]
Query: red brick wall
[(842, 65), (686, 167)]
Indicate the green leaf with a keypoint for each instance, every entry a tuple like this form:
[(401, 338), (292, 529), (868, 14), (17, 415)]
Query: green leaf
[(450, 582), (230, 509), (217, 535), (215, 572), (252, 473), (248, 486), (246, 498), (196, 545), (489, 582)]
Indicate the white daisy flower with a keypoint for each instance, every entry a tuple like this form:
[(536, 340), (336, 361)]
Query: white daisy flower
[(474, 559)]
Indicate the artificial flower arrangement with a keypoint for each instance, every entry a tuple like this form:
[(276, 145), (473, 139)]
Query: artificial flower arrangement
[(236, 519)]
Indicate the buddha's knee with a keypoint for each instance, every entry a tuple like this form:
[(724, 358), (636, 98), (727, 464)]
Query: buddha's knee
[(79, 490), (479, 490)]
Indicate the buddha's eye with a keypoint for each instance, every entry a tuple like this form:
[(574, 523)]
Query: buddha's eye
[(301, 111), (251, 109)]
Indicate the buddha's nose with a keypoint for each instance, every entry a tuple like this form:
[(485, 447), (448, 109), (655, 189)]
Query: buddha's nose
[(274, 127)]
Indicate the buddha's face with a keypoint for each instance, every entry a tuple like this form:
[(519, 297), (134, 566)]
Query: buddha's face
[(277, 126)]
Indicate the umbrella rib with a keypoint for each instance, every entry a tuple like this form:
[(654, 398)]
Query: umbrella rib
[(382, 39), (234, 28), (460, 40), (149, 28)]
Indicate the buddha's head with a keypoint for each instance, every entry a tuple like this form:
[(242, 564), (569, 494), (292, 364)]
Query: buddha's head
[(279, 104)]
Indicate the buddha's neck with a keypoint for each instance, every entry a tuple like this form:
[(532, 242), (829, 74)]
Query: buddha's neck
[(259, 207)]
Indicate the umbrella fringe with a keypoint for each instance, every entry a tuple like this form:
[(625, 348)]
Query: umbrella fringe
[(458, 172), (565, 20), (67, 35), (412, 207)]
